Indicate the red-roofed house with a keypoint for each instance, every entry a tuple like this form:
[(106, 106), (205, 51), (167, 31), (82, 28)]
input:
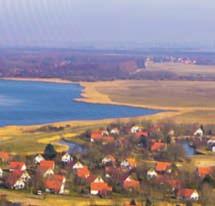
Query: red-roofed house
[(188, 194), (46, 167), (98, 186), (95, 136), (83, 172), (131, 184), (4, 156), (163, 167), (17, 166), (77, 165), (204, 171), (17, 179), (141, 134), (157, 147), (55, 184)]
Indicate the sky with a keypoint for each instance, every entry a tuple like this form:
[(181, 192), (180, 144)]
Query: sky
[(63, 23)]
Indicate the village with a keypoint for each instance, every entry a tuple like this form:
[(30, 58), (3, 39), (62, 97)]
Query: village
[(142, 163)]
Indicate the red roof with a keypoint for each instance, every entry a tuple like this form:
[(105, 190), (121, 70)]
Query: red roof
[(83, 172), (16, 165), (204, 171), (130, 183), (162, 166), (46, 165), (54, 183), (4, 156), (108, 139), (13, 177), (96, 135), (186, 193), (157, 146), (100, 186), (141, 134)]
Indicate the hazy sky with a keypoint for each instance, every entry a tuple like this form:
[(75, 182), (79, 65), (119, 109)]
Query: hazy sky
[(62, 22)]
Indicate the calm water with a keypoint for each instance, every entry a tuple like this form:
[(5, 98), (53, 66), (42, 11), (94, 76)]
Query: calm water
[(189, 151), (24, 103)]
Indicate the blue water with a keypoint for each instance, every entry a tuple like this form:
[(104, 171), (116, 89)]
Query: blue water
[(189, 151), (24, 103)]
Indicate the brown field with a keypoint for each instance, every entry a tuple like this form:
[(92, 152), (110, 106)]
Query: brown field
[(183, 69), (192, 101)]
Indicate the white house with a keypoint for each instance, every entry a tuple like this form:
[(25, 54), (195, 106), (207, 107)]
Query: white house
[(124, 164), (188, 194), (135, 129), (108, 159), (77, 165), (38, 159), (98, 185), (104, 132), (17, 179), (66, 158), (48, 172), (114, 131), (151, 173), (1, 173), (199, 132)]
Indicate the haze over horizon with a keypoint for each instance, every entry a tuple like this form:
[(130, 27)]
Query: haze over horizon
[(64, 23)]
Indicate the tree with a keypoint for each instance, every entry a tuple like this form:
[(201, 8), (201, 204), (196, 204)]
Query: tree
[(148, 202), (50, 152)]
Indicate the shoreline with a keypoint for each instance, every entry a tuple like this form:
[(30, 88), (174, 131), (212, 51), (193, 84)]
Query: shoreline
[(85, 98), (46, 80), (89, 94)]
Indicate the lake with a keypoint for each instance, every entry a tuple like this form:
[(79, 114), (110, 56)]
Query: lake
[(26, 103)]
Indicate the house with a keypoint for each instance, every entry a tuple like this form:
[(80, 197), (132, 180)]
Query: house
[(141, 134), (46, 167), (199, 132), (107, 140), (66, 158), (38, 159), (104, 132), (95, 136), (109, 159), (211, 144), (204, 171), (151, 173), (157, 147), (131, 184), (172, 183), (129, 163), (115, 131), (163, 167), (99, 187), (55, 184), (17, 179), (1, 173), (17, 166), (116, 173), (4, 156), (77, 165), (188, 194), (83, 172), (135, 129)]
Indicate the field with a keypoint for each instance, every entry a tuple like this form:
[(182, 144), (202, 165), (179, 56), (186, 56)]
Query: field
[(189, 101), (186, 70)]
